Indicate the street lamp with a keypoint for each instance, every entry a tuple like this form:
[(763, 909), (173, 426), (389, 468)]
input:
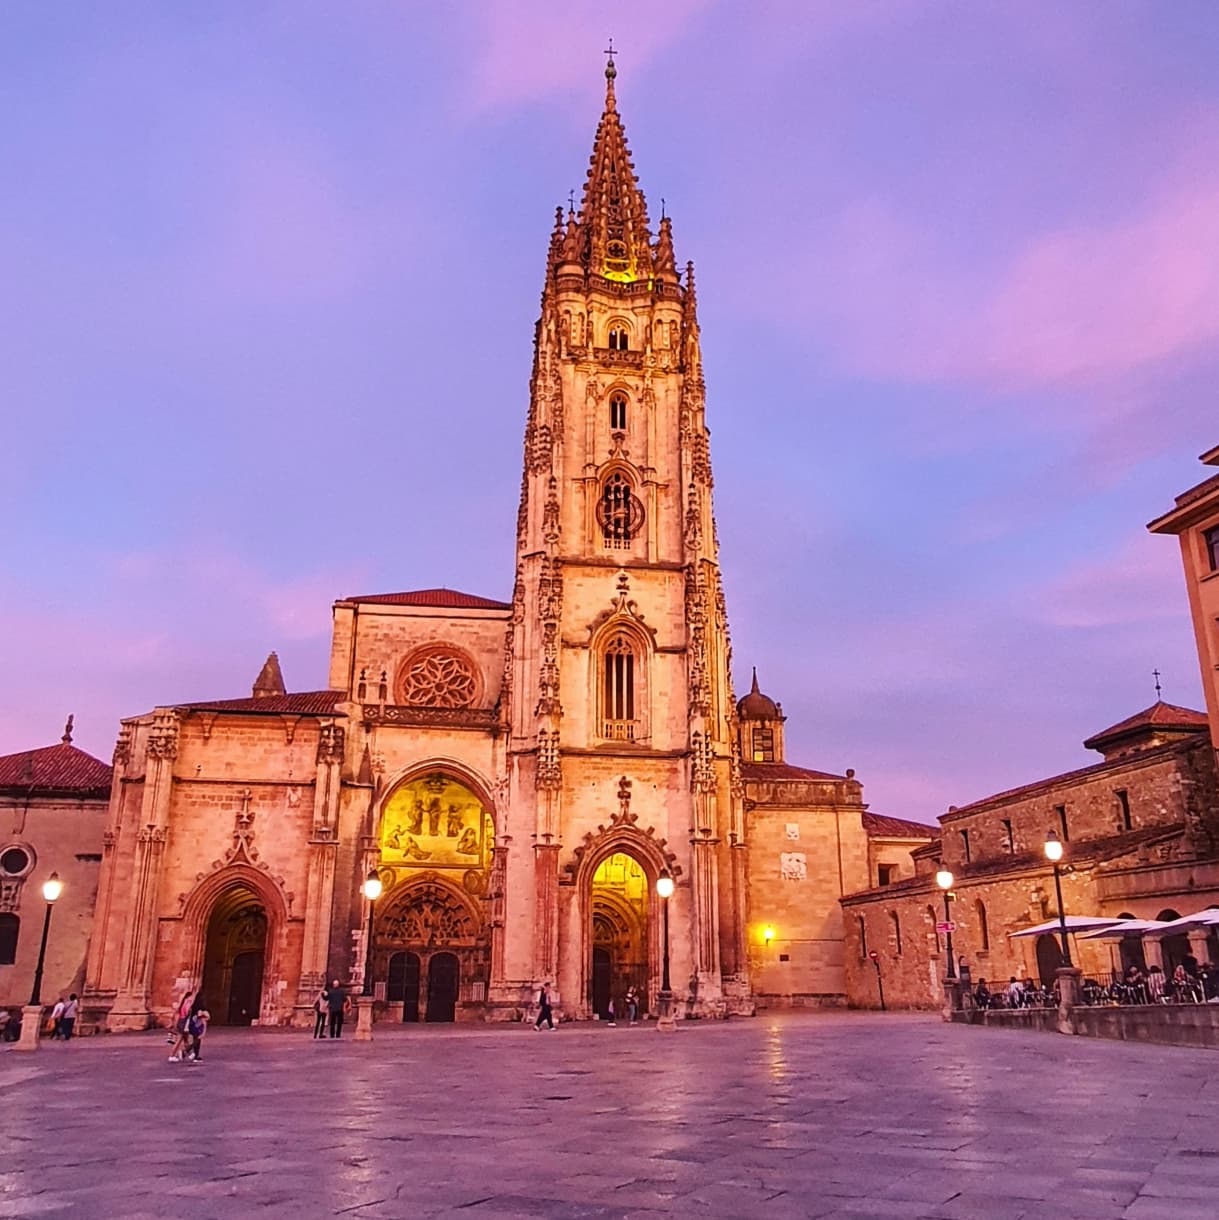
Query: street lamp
[(372, 891), (664, 1016), (1053, 853), (52, 887), (944, 880)]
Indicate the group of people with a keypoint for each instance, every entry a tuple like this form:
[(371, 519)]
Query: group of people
[(62, 1021), (1188, 983), (191, 1019), (329, 1008), (630, 1008)]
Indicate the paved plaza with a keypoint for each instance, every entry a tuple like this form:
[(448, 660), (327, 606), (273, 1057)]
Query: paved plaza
[(836, 1115)]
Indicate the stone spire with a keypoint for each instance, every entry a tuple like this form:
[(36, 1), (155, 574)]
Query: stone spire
[(665, 261), (270, 680), (614, 214)]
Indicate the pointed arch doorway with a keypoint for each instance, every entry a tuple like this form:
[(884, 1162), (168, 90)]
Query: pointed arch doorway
[(620, 935), (234, 957)]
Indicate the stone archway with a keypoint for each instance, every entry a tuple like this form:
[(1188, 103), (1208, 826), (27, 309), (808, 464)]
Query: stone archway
[(234, 957), (619, 908), (433, 946)]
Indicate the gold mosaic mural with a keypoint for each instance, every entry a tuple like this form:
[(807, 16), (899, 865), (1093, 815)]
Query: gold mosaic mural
[(436, 822)]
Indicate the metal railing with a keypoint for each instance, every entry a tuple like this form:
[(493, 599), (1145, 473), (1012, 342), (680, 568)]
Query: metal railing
[(619, 730)]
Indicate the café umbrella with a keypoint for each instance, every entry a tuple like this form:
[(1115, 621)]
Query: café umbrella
[(1075, 925)]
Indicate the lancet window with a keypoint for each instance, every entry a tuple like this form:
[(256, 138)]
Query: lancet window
[(618, 412), (619, 339), (618, 691)]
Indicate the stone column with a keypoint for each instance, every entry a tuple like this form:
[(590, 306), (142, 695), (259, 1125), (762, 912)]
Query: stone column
[(705, 920), (1068, 998), (131, 1008), (546, 923), (322, 853)]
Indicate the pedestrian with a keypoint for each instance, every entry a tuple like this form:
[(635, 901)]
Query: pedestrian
[(67, 1019), (982, 994), (319, 1014), (337, 1004), (55, 1018), (610, 1011), (632, 1005), (181, 1017), (544, 1009), (196, 1027), (1015, 993)]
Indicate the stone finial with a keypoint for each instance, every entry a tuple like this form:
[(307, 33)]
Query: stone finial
[(270, 680), (67, 731)]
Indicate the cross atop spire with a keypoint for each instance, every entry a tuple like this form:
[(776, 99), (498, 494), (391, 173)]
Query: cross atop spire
[(1155, 673), (610, 70)]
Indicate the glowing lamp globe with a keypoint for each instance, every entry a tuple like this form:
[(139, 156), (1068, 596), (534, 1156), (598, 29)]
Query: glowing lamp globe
[(52, 887), (372, 886), (944, 879)]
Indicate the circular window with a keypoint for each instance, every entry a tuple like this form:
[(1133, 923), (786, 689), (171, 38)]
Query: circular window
[(438, 678), (14, 861)]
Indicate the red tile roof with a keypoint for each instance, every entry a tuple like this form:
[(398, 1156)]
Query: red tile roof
[(881, 826), (1159, 715), (445, 599), (772, 772), (306, 703), (56, 769)]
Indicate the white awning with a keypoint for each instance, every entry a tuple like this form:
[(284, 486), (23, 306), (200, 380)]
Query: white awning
[(1127, 927), (1075, 924), (1200, 919)]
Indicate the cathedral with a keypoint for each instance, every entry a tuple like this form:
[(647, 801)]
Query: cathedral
[(518, 775)]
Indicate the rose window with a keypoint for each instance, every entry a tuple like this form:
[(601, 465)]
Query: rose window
[(438, 679)]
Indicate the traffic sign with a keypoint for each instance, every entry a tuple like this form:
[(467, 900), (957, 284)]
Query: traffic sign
[(949, 926)]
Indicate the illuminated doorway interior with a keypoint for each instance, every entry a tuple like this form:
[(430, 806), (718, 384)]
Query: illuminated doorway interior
[(234, 957), (619, 934)]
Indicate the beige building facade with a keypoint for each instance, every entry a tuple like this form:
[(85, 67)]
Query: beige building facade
[(518, 774), (53, 803)]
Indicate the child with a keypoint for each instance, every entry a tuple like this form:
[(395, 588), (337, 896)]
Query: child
[(196, 1027)]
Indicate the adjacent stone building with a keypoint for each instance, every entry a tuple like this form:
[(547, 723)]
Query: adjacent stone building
[(1141, 836), (811, 841), (1194, 519), (53, 804)]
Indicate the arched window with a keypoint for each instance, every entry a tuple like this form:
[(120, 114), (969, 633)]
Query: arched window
[(618, 691), (983, 927), (619, 340), (897, 932), (619, 512), (863, 936), (10, 926), (618, 412), (935, 932)]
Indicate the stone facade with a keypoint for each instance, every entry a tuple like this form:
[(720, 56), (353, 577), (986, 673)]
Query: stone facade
[(517, 774), (1194, 519), (811, 841), (52, 812), (1139, 831)]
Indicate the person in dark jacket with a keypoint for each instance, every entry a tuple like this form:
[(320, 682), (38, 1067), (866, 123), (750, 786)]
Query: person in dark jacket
[(336, 1006), (545, 1013)]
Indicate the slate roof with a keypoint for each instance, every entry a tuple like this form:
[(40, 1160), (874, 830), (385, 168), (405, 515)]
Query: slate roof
[(56, 769), (305, 703), (882, 826), (774, 772), (444, 599)]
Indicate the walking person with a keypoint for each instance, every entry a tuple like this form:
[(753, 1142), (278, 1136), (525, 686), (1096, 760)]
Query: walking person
[(320, 1012), (610, 1011), (67, 1019), (632, 1005), (337, 1004), (181, 1017), (545, 1013), (55, 1018)]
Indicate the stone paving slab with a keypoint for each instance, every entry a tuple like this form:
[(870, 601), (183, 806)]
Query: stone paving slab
[(831, 1115)]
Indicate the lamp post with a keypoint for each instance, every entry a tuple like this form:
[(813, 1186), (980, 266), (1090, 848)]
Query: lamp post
[(665, 1022), (31, 1017), (944, 880), (1053, 853), (371, 890)]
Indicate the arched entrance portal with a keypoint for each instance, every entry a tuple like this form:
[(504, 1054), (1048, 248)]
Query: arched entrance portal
[(432, 950), (619, 939), (234, 957)]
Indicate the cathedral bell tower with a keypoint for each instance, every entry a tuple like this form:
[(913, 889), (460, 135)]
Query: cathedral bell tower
[(618, 654)]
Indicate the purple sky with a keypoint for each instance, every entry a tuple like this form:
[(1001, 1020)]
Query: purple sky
[(271, 272)]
